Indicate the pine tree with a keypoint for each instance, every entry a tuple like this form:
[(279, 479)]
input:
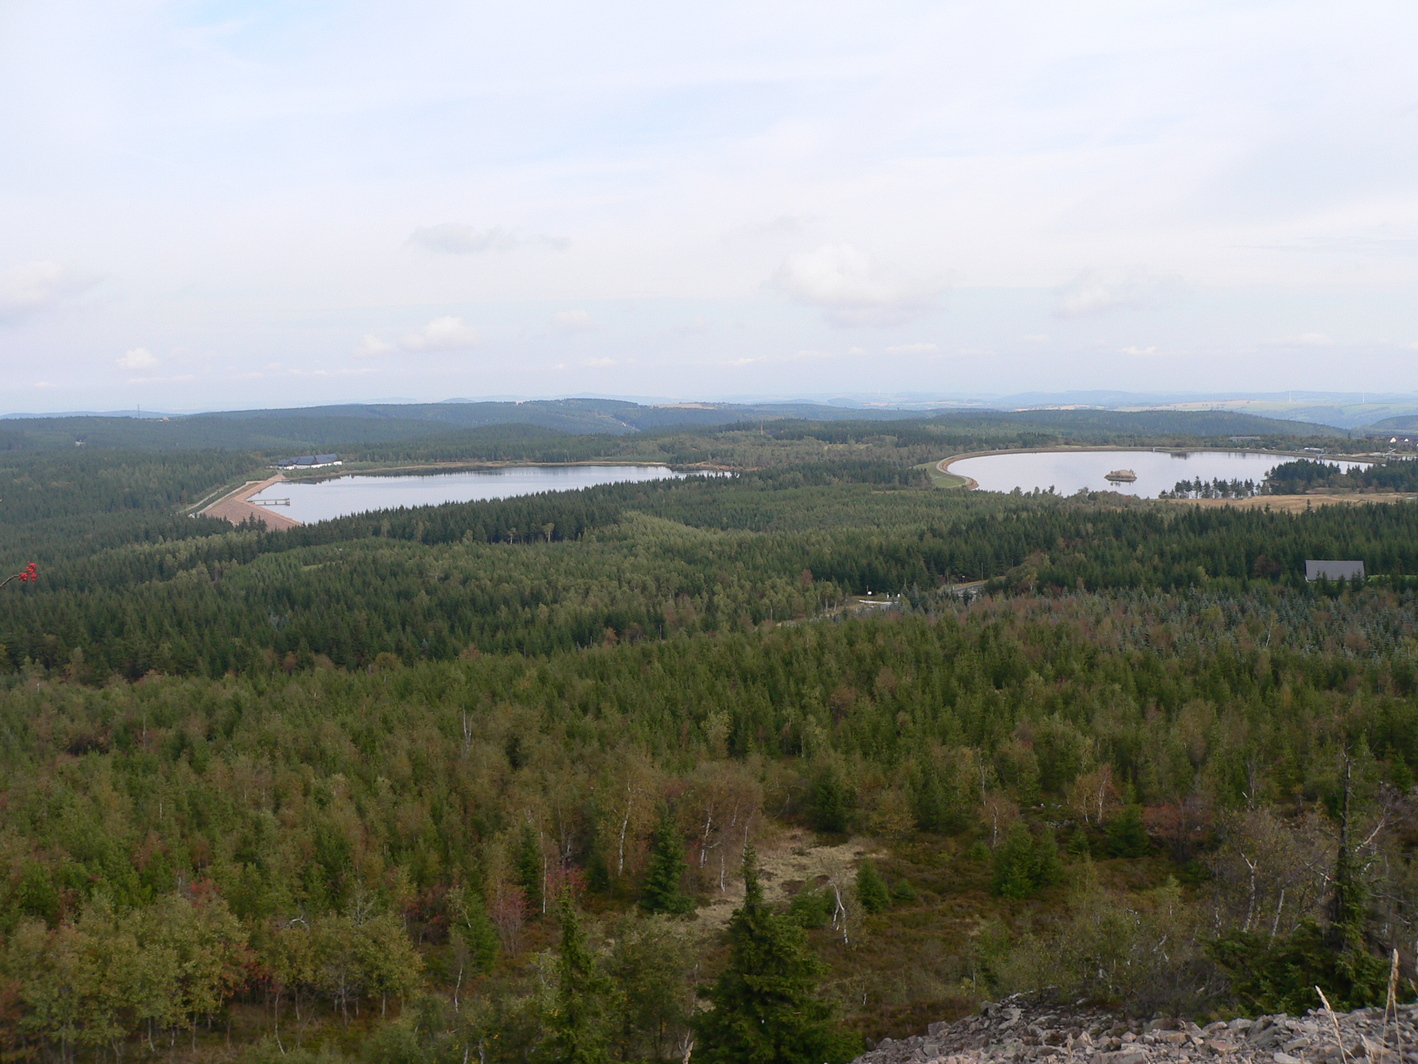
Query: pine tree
[(578, 1027), (871, 888), (1127, 837), (1014, 865), (830, 800), (1048, 865), (528, 867), (764, 1008), (667, 865), (475, 928)]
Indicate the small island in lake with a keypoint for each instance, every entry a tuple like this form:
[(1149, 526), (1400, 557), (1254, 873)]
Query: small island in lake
[(1121, 476)]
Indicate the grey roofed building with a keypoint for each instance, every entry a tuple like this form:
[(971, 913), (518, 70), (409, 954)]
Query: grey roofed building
[(1334, 570), (309, 461)]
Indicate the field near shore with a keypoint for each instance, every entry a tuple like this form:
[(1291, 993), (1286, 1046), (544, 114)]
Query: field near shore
[(1291, 504)]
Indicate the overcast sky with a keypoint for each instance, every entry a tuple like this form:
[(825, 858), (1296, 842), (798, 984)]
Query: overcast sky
[(227, 204)]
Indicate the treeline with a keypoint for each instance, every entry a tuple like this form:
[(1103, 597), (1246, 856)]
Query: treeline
[(1216, 488), (45, 487), (1305, 474)]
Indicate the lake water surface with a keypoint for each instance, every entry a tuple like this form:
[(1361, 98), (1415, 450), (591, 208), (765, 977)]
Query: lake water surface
[(1157, 471), (325, 499)]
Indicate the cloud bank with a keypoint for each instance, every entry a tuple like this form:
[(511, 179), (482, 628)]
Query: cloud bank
[(39, 286), (850, 287), (439, 336), (455, 238), (137, 359)]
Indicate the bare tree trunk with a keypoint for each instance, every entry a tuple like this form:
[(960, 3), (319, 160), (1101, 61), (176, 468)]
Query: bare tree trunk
[(276, 1025), (1251, 895), (704, 842), (839, 910), (624, 823)]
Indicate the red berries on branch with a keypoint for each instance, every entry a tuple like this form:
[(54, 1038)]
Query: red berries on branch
[(24, 576)]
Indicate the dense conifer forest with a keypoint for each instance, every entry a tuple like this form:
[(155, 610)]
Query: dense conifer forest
[(486, 781)]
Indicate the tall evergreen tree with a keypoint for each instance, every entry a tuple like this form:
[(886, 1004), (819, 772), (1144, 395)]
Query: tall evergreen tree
[(475, 928), (579, 1032), (662, 892), (765, 1011), (528, 867), (871, 888)]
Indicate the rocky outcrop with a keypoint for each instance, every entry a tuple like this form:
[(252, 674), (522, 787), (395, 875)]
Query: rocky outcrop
[(1020, 1029)]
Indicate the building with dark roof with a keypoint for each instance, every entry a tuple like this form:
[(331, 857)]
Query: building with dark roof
[(309, 461)]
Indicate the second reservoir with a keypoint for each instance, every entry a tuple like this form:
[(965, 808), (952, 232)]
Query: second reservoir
[(1157, 471)]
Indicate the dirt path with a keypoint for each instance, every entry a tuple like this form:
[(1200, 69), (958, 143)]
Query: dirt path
[(235, 508)]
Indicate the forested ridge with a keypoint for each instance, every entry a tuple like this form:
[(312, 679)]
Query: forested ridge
[(476, 781), (354, 426), (574, 569)]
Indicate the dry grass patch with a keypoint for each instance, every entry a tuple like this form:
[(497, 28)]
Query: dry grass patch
[(1290, 504)]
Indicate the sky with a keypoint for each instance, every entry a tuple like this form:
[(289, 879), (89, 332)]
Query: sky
[(225, 204)]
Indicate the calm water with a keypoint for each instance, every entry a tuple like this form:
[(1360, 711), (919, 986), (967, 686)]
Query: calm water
[(357, 494), (1157, 471)]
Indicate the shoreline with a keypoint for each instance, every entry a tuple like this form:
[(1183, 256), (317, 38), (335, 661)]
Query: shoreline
[(234, 508), (943, 466), (945, 463), (438, 468)]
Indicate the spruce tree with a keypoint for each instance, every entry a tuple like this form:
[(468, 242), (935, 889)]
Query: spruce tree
[(1014, 865), (579, 1033), (475, 928), (765, 1011), (1127, 837), (871, 888), (527, 865), (667, 865)]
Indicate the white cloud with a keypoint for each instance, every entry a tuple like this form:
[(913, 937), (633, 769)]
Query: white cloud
[(38, 286), (600, 363), (1088, 294), (454, 238), (572, 320), (912, 349), (137, 359), (441, 334), (785, 225), (850, 288), (1140, 351), (373, 346), (1306, 339), (1094, 292)]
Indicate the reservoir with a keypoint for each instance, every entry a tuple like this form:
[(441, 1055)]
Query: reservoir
[(325, 499), (1157, 471)]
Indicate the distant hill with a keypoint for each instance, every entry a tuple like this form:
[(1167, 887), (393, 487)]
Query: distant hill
[(1172, 422), (328, 427), (1404, 423)]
